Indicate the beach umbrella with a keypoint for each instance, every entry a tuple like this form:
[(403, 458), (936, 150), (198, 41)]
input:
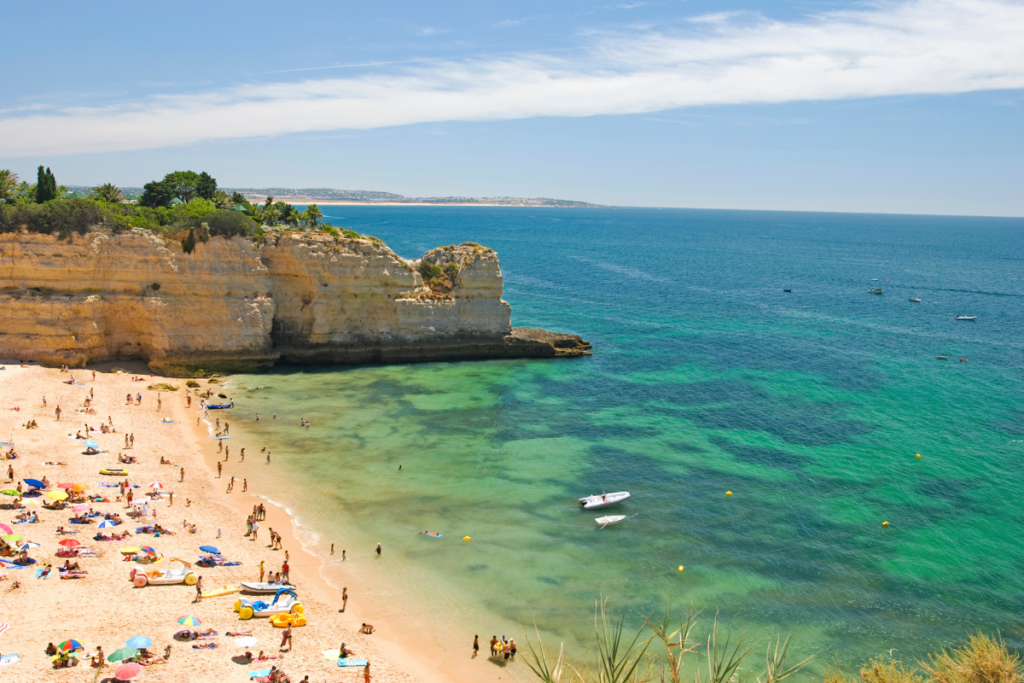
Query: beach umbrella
[(81, 507), (28, 545), (12, 538), (209, 549), (246, 641), (148, 551), (66, 485), (11, 492), (138, 641), (189, 621), (107, 523), (70, 645), (69, 543), (126, 672), (30, 501), (6, 529), (155, 485), (89, 443), (57, 495), (35, 483), (80, 487), (122, 654)]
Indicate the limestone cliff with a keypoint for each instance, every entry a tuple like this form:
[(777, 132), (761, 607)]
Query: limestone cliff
[(233, 305)]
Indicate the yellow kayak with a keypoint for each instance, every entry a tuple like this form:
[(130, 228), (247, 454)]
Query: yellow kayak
[(223, 590)]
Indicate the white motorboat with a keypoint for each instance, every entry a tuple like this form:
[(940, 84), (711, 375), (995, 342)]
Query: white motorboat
[(877, 290), (603, 500), (610, 519), (967, 317), (914, 300), (264, 586)]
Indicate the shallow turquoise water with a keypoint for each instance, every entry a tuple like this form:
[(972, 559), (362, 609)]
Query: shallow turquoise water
[(706, 377)]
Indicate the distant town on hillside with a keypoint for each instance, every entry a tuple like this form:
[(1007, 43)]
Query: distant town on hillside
[(323, 194)]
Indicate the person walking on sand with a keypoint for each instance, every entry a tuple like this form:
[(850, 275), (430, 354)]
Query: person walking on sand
[(182, 475), (58, 412), (199, 589), (366, 673), (476, 645), (332, 545), (286, 638), (261, 571), (219, 468), (242, 454), (10, 475), (344, 598), (268, 457), (378, 550), (285, 569), (342, 555), (245, 485)]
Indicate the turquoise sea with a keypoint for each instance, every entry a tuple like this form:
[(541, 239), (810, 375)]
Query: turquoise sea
[(707, 377)]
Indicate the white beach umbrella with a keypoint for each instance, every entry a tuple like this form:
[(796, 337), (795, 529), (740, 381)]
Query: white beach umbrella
[(246, 641), (155, 485)]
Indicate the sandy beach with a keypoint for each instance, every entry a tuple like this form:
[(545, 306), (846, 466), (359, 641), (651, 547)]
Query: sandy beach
[(104, 608)]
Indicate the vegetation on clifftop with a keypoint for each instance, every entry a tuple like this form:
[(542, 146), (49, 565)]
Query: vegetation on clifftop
[(182, 200)]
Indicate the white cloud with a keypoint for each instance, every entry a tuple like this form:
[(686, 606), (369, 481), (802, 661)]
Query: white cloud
[(925, 46)]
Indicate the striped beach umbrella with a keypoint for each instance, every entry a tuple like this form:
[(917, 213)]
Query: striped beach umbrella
[(189, 621), (106, 524), (155, 485), (70, 645), (11, 492)]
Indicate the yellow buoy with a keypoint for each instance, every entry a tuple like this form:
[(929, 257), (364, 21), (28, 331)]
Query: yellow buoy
[(918, 455), (681, 567), (885, 523), (728, 493), (465, 538)]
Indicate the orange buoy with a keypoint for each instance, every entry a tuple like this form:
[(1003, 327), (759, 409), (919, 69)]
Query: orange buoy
[(885, 523), (728, 493)]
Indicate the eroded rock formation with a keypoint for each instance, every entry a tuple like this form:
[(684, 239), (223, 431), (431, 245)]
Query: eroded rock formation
[(233, 305)]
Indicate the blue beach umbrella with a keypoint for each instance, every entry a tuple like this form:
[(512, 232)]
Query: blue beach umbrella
[(138, 641), (35, 483), (209, 549), (89, 443), (106, 523)]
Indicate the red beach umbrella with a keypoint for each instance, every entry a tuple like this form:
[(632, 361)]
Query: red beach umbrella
[(66, 485), (126, 672), (69, 543)]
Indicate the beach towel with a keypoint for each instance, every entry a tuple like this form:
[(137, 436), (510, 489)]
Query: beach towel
[(204, 646), (351, 662), (4, 627), (9, 659), (259, 674)]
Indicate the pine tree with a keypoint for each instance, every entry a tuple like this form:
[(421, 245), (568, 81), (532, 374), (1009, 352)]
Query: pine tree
[(46, 186)]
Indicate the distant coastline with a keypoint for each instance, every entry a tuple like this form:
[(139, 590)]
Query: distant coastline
[(329, 196)]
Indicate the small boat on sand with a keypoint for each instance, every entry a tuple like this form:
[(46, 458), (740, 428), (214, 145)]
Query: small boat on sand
[(264, 587), (914, 300), (877, 290), (603, 500), (967, 317), (610, 519)]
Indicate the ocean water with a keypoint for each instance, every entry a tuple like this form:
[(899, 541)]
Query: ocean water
[(707, 377)]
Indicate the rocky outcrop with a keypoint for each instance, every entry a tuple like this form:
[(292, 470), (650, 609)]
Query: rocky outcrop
[(233, 305)]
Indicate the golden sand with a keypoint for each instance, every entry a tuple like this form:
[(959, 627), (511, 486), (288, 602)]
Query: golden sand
[(105, 608)]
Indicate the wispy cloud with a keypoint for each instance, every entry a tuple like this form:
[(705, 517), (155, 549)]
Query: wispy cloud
[(923, 46), (431, 31), (509, 23)]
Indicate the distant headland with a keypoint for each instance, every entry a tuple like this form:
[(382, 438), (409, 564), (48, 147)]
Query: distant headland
[(324, 195)]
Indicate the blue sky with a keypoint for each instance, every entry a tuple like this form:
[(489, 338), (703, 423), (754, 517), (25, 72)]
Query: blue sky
[(750, 104)]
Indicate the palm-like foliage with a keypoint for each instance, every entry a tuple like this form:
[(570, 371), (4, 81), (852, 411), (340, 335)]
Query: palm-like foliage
[(223, 200), (313, 214), (107, 192), (8, 185)]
